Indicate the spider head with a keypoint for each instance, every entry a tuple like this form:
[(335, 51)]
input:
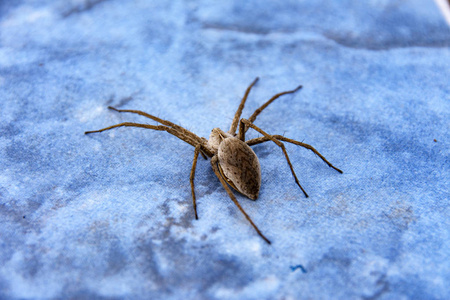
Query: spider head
[(215, 138)]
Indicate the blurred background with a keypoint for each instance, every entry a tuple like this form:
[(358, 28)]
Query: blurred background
[(109, 215)]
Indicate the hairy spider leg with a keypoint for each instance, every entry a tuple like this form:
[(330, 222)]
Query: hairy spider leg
[(214, 162), (263, 139), (192, 176), (154, 127), (130, 124), (237, 116), (188, 134), (245, 123), (259, 110)]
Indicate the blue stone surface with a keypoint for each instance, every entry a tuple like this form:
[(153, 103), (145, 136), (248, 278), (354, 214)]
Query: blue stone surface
[(109, 215)]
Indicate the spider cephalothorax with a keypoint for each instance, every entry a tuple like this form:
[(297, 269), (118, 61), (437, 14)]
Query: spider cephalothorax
[(232, 160)]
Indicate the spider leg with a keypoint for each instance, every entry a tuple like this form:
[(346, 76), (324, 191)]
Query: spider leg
[(214, 161), (191, 178), (237, 116), (284, 139), (245, 123), (129, 124), (259, 110), (184, 131), (203, 155), (172, 131)]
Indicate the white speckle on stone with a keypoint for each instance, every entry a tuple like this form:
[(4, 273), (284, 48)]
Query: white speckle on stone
[(252, 246), (89, 113), (97, 147), (94, 199), (181, 208), (26, 15), (256, 290)]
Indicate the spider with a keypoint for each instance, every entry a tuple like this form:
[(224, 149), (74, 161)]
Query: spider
[(233, 161)]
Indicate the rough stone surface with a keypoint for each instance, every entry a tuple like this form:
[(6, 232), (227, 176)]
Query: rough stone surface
[(109, 216)]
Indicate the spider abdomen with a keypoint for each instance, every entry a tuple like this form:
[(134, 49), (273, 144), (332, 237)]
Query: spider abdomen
[(239, 166)]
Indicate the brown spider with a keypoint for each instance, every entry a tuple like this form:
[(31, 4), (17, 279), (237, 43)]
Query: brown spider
[(232, 160)]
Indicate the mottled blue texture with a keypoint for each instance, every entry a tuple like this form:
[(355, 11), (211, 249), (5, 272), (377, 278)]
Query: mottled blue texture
[(109, 215)]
